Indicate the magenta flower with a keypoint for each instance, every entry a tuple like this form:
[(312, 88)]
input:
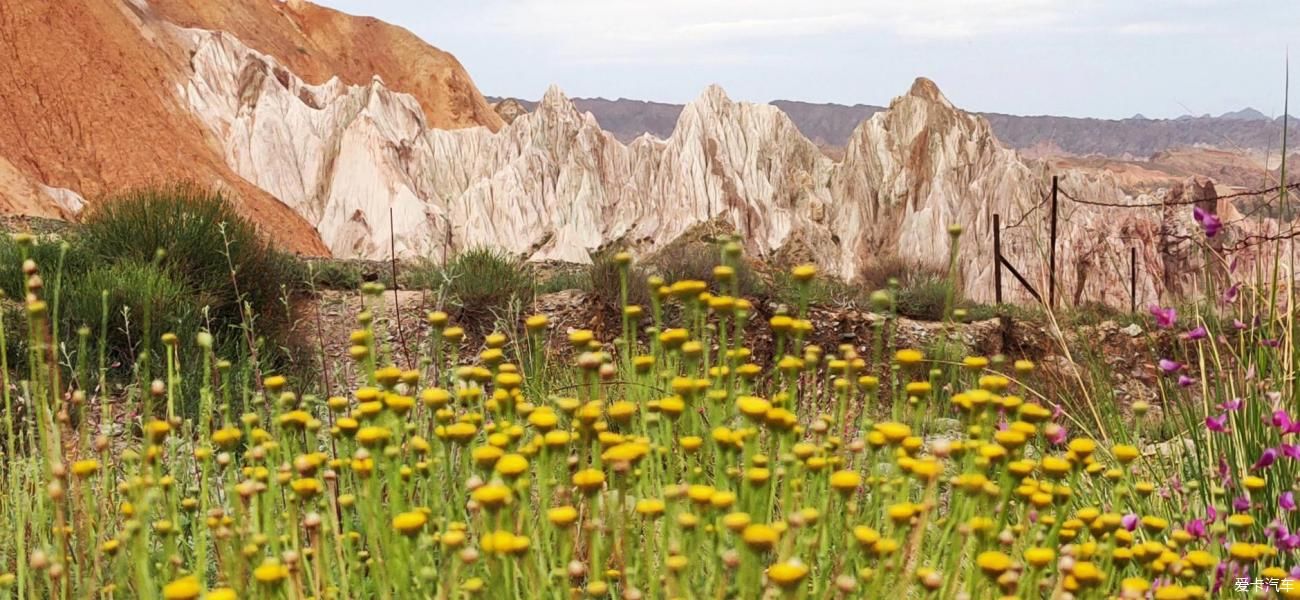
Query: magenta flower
[(1199, 333), (1196, 527), (1238, 324), (1129, 521), (1241, 503), (1230, 295), (1218, 424), (1185, 381), (1165, 317), (1266, 459), (1286, 501), (1283, 422), (1169, 366), (1234, 404), (1057, 437), (1291, 451), (1209, 221)]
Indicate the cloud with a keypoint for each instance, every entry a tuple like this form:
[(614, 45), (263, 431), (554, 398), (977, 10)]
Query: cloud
[(1157, 28), (611, 30)]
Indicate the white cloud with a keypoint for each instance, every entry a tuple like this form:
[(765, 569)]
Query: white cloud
[(1157, 28), (621, 29)]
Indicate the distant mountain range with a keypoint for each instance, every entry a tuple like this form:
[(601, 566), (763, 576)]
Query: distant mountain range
[(829, 125)]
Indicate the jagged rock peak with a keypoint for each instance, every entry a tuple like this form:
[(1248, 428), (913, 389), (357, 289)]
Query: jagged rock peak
[(555, 95), (714, 94), (926, 89)]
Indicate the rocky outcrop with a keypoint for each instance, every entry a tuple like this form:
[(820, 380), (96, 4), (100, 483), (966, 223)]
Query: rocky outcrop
[(509, 110), (344, 136), (89, 104), (553, 185), (1137, 138)]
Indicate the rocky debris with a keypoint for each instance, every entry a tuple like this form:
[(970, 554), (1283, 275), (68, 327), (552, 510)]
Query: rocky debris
[(509, 110)]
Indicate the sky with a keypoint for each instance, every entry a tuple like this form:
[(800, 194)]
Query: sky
[(1085, 58)]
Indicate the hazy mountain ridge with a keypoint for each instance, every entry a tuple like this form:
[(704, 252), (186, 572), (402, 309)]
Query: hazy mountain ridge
[(830, 124)]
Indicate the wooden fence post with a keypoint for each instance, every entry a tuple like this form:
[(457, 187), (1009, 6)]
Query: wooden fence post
[(1051, 273), (1132, 279), (997, 258)]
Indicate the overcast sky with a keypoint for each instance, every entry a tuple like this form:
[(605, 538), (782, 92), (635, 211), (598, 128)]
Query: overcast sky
[(1099, 58)]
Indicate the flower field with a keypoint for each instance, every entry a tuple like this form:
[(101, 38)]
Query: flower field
[(668, 461)]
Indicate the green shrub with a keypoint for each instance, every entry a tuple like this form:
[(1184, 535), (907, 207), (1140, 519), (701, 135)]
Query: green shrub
[(604, 276), (920, 292), (566, 279), (204, 239), (478, 285), (923, 299), (335, 275), (46, 253), (136, 291), (822, 291), (696, 260)]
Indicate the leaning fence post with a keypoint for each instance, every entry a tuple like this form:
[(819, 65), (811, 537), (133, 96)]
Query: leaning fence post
[(1051, 272), (997, 258), (1132, 279)]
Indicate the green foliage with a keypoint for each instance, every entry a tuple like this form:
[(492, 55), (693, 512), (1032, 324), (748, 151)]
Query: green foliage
[(924, 298), (565, 279), (204, 240), (696, 260), (335, 275), (44, 252), (822, 291), (920, 292), (479, 284), (136, 291), (604, 277)]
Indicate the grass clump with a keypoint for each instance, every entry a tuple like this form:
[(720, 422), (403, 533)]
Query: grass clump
[(219, 256), (335, 275), (478, 285)]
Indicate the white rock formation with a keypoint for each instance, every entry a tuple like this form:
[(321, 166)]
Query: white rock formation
[(552, 185)]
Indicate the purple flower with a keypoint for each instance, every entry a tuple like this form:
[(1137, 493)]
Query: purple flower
[(1199, 333), (1291, 451), (1286, 501), (1266, 459), (1196, 527), (1282, 421), (1129, 521), (1219, 423), (1271, 343), (1185, 381), (1209, 221), (1238, 324), (1230, 295), (1165, 317), (1241, 503), (1169, 366), (1234, 404)]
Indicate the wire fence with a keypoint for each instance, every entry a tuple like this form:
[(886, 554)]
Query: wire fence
[(1053, 195)]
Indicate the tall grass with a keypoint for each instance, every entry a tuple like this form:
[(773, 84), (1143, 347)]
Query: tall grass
[(664, 463)]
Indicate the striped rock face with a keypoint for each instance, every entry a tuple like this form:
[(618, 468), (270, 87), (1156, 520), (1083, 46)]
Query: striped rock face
[(552, 185), (348, 136)]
